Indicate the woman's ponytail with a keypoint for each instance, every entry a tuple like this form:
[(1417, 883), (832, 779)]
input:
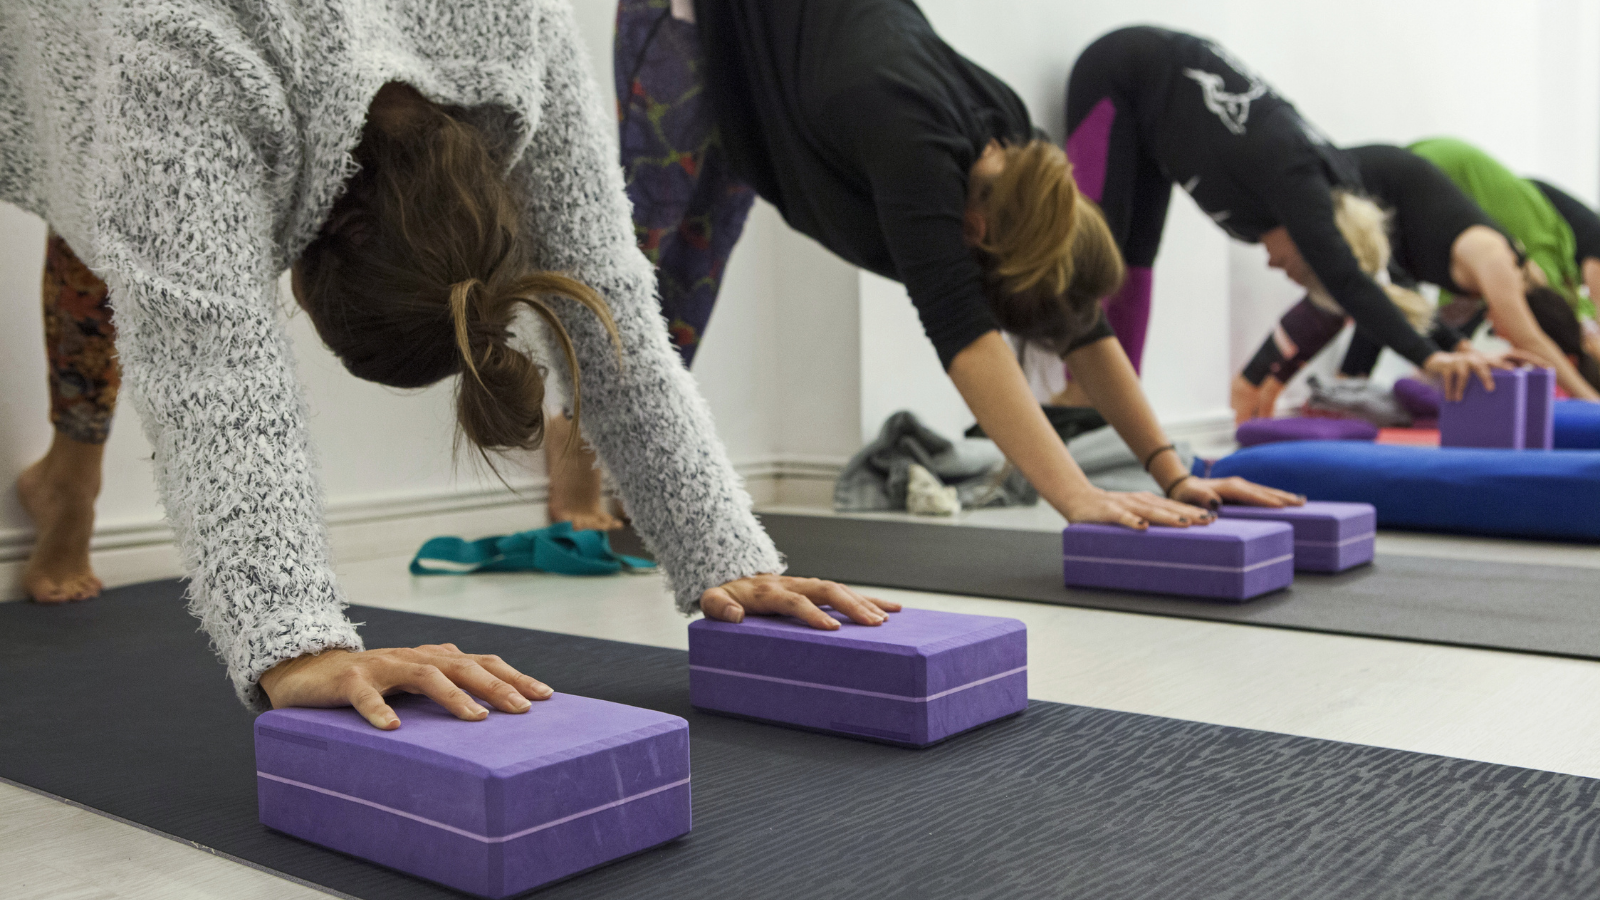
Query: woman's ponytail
[(422, 267)]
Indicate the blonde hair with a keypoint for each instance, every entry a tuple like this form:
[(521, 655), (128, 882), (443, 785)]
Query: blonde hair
[(1365, 227), (1048, 255)]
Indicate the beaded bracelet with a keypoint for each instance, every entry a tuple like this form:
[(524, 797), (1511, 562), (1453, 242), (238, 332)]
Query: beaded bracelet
[(1157, 452)]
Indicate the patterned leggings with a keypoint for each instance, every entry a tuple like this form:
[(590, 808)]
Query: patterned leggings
[(79, 346), (688, 206)]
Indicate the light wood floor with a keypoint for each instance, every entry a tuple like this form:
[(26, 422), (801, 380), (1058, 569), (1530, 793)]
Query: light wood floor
[(1507, 708)]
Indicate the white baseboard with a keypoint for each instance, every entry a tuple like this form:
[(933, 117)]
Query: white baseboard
[(131, 552)]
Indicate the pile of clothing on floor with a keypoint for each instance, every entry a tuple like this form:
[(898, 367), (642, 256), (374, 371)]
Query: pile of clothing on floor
[(910, 467)]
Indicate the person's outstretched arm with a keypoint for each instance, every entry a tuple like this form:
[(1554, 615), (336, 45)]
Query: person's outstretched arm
[(1305, 206), (182, 227), (1483, 263), (1107, 377), (641, 409), (990, 380)]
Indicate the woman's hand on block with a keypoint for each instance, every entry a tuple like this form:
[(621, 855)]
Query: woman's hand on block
[(1453, 370), (803, 598), (362, 679), (1213, 492), (1137, 510)]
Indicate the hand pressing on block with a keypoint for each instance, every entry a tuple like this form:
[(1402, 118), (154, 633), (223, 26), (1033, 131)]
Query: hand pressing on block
[(921, 678), (362, 679), (1230, 559), (494, 808), (803, 598)]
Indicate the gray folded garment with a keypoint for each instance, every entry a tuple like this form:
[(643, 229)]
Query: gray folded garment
[(1357, 398), (876, 477)]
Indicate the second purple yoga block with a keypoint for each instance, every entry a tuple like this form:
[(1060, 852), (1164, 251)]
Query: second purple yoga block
[(1328, 537), (493, 808), (917, 679), (1230, 559), (1540, 431), (1495, 419)]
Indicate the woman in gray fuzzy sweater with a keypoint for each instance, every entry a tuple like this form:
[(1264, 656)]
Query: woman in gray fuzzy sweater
[(426, 170)]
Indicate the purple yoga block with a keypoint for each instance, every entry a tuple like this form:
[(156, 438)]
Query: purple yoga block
[(1230, 559), (1540, 432), (917, 679), (1495, 420), (1328, 537), (494, 807)]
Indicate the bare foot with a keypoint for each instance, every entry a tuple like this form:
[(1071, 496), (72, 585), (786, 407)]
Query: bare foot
[(574, 480), (60, 499)]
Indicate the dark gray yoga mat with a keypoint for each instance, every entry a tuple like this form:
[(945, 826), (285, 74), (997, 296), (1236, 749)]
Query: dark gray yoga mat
[(116, 704), (1552, 610)]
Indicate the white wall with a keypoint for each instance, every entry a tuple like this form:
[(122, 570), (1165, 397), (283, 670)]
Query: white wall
[(806, 355)]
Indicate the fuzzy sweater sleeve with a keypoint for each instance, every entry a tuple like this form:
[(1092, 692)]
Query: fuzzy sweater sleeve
[(185, 165), (643, 413)]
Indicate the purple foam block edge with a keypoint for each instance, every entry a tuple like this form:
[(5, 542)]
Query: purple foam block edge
[(1540, 431), (1419, 398), (1328, 537), (1485, 419), (1230, 559), (493, 808), (1304, 428), (917, 679)]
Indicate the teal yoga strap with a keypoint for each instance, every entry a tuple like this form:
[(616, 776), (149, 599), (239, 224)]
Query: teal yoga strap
[(557, 549)]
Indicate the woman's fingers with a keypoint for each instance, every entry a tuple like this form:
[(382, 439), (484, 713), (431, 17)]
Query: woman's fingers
[(841, 598), (466, 674), (1242, 491), (718, 604), (1485, 372), (885, 605), (529, 687), (421, 678), (787, 602), (369, 703)]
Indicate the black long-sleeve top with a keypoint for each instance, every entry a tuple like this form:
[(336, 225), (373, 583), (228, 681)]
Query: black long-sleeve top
[(1252, 163), (1585, 224), (1428, 211), (860, 125)]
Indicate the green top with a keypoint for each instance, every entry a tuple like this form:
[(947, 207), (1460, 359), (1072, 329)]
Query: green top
[(1520, 208)]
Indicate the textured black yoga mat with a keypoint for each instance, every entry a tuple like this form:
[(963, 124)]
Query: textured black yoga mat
[(117, 705), (1551, 610)]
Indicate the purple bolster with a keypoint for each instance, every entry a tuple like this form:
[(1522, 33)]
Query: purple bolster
[(1305, 428)]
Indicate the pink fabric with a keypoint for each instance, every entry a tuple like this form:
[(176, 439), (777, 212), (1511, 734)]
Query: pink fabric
[(1088, 146), (1128, 313)]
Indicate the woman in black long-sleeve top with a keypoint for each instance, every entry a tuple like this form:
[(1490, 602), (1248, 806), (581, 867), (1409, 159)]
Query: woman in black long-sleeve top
[(1148, 108)]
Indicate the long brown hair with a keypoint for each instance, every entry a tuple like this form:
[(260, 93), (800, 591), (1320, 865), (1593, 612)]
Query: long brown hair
[(422, 266), (1048, 255)]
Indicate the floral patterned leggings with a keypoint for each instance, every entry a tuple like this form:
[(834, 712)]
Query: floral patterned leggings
[(688, 206), (80, 346)]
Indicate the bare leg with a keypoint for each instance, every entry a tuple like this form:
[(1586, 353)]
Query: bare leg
[(574, 480), (58, 492)]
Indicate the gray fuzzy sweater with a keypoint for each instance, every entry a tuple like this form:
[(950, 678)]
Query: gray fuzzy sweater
[(189, 150)]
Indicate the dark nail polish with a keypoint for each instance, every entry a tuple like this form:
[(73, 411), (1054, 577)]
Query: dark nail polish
[(1214, 504), (1183, 519)]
